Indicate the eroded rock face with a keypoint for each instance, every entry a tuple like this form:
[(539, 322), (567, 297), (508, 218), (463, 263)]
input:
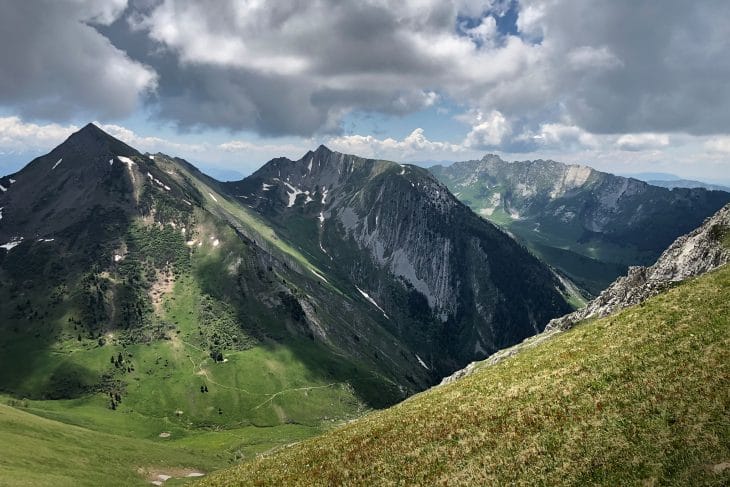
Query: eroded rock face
[(452, 285), (690, 255)]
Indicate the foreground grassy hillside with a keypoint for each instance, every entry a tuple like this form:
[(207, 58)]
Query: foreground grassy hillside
[(640, 397), (38, 451)]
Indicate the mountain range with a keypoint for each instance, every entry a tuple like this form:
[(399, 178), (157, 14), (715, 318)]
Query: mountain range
[(588, 224), (179, 324), (355, 280)]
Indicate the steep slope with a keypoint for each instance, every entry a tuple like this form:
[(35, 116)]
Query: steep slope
[(696, 253), (588, 224), (133, 291), (450, 285), (690, 255), (639, 397)]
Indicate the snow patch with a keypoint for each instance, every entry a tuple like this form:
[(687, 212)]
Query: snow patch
[(309, 167), (321, 216), (12, 244), (266, 187), (46, 239), (214, 198), (423, 364), (57, 163), (1, 212), (12, 181), (126, 160), (152, 158), (2, 188), (293, 195), (129, 162), (216, 243), (158, 182), (111, 162), (372, 301), (318, 275), (118, 257)]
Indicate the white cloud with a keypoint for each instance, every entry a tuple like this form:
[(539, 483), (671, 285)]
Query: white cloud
[(55, 65), (17, 135), (719, 145), (151, 144), (488, 131), (560, 135), (414, 145), (646, 141)]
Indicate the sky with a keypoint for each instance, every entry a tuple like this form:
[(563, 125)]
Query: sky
[(624, 86)]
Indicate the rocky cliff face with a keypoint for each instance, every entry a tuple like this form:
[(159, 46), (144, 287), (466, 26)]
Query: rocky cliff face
[(690, 255), (588, 224), (446, 281)]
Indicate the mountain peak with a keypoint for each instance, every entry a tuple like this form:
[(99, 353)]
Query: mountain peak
[(492, 157), (91, 139), (323, 150)]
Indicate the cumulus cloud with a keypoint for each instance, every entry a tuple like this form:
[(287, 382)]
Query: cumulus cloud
[(299, 67), (609, 71), (17, 135), (718, 145), (637, 142), (488, 131), (568, 73), (150, 144), (416, 144), (56, 65)]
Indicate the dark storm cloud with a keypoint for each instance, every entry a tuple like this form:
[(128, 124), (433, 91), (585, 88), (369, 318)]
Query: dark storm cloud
[(298, 67), (671, 71), (55, 66)]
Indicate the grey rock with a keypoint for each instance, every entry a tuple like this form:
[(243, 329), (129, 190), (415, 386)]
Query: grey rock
[(690, 255)]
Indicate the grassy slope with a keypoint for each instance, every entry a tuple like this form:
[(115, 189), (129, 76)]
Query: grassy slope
[(638, 397), (271, 394), (37, 451)]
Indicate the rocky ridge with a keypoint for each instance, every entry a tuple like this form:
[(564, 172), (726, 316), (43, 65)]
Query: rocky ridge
[(588, 224), (690, 255), (452, 284)]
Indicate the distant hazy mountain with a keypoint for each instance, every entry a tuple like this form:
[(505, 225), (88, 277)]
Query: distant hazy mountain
[(687, 183), (667, 180), (589, 224), (646, 176)]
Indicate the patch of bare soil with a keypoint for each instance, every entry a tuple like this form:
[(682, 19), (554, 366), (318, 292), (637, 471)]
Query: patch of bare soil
[(162, 286)]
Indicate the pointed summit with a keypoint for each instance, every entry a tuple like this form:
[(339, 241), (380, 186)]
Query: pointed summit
[(323, 150), (92, 140)]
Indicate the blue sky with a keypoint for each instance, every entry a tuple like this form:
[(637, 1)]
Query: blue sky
[(229, 85)]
